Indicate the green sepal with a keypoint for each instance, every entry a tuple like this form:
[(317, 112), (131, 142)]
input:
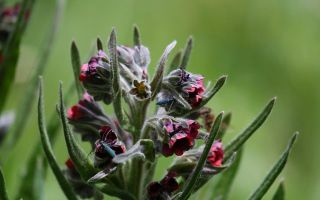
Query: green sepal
[(175, 63), (237, 143), (65, 186), (143, 149), (136, 36), (186, 53), (99, 44), (157, 78), (274, 172), (76, 66)]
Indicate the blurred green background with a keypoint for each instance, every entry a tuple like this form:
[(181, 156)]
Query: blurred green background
[(267, 48)]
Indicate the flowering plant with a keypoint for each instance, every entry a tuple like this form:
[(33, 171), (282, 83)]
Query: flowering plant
[(127, 146)]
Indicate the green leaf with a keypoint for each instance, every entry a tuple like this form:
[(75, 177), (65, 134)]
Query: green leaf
[(37, 164), (224, 181), (136, 36), (26, 103), (76, 65), (274, 172), (11, 52), (175, 63), (99, 44), (191, 181), (68, 191), (225, 125), (113, 191), (144, 149), (76, 153), (236, 143), (177, 96), (280, 193), (115, 77), (186, 53), (3, 190), (157, 78)]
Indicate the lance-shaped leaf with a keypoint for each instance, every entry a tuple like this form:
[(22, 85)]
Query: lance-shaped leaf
[(101, 175), (37, 164), (68, 191), (236, 144), (177, 97), (157, 78), (191, 181), (225, 125), (3, 190), (223, 182), (144, 149), (115, 77), (136, 36), (99, 44), (26, 103), (175, 63), (274, 172), (76, 65), (186, 53), (280, 193), (11, 52), (77, 154)]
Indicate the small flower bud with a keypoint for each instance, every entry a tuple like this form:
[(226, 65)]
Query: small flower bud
[(96, 76), (166, 186)]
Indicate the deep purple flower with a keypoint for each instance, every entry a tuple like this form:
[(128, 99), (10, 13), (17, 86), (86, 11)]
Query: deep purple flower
[(181, 136), (96, 77), (167, 185)]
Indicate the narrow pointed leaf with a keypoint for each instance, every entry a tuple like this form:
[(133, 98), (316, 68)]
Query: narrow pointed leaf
[(99, 44), (177, 96), (76, 65), (236, 144), (186, 53), (77, 154), (101, 175), (26, 104), (11, 51), (224, 182), (225, 125), (113, 191), (274, 172), (115, 77), (136, 36), (157, 78), (68, 191), (3, 190), (190, 183), (175, 63), (280, 193), (209, 93)]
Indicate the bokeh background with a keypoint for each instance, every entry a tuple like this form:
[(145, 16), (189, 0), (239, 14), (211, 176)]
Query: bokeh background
[(267, 48)]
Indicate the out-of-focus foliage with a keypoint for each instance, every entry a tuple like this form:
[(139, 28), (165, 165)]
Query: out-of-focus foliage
[(267, 48)]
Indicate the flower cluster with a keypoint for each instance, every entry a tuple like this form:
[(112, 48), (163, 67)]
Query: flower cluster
[(107, 147), (180, 82), (130, 145), (179, 136), (162, 189)]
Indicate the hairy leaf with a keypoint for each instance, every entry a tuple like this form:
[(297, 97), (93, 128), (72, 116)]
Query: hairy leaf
[(236, 143), (274, 172), (280, 193), (68, 191), (76, 65), (3, 190), (186, 53)]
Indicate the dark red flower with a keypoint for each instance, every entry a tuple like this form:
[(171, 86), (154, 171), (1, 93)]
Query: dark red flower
[(167, 185), (154, 190), (216, 154), (181, 136)]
